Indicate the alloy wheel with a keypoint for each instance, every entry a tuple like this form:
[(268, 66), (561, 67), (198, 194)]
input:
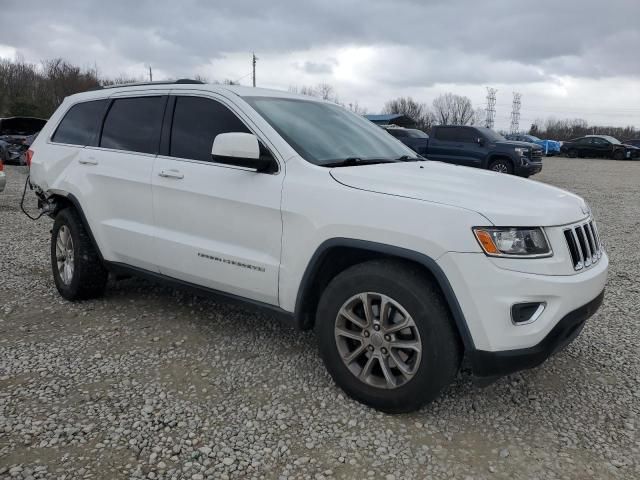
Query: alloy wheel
[(64, 255), (378, 340)]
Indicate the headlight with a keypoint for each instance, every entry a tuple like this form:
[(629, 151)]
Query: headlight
[(523, 152), (513, 242)]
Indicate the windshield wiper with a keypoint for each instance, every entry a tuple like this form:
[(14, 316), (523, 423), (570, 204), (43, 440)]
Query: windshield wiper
[(352, 161), (407, 158)]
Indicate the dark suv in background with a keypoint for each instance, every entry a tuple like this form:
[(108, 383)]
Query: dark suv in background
[(483, 148), (413, 138)]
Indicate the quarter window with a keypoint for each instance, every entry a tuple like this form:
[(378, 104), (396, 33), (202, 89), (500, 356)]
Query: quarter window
[(196, 122), (134, 124), (81, 123)]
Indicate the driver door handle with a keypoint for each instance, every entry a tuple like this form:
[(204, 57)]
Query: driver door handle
[(171, 174), (88, 161)]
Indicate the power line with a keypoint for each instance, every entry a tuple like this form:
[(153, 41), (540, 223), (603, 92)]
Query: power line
[(515, 112), (491, 107)]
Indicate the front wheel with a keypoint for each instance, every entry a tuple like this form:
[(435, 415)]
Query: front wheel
[(77, 269), (386, 336), (618, 155), (501, 165)]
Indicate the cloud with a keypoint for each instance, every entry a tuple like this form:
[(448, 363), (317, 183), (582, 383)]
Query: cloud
[(365, 48)]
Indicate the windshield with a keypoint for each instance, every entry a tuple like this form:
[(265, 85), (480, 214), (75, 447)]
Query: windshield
[(611, 139), (531, 138), (490, 134), (413, 133), (323, 133)]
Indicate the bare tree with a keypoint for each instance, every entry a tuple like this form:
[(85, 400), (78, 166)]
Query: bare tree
[(356, 108), (451, 109), (419, 112)]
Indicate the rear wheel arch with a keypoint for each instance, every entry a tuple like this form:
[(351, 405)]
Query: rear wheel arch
[(336, 255), (63, 200)]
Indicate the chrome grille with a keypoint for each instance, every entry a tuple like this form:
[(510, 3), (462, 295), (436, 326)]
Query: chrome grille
[(584, 244), (536, 155)]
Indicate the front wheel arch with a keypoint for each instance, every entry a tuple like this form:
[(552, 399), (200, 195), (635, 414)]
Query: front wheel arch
[(320, 271)]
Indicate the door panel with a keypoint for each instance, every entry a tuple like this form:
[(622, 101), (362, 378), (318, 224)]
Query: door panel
[(218, 226), (118, 204), (116, 178)]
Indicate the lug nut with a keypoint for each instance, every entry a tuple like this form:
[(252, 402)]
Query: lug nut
[(376, 327), (366, 333), (370, 348), (387, 338), (383, 350)]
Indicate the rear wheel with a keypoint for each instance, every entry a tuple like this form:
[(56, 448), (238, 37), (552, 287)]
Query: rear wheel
[(501, 165), (386, 336), (77, 270)]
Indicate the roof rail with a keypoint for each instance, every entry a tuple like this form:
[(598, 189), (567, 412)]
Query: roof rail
[(181, 81)]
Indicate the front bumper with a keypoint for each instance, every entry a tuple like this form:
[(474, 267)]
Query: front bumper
[(495, 364), (529, 168), (487, 288)]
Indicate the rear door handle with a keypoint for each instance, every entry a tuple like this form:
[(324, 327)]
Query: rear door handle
[(88, 161), (171, 174)]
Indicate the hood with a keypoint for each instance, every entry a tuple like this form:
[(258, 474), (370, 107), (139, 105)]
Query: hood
[(515, 143), (505, 200)]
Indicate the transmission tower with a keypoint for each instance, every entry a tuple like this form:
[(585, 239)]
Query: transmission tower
[(515, 112), (491, 107)]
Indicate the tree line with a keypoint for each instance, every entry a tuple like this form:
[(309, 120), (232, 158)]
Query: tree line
[(28, 89), (36, 90), (567, 129)]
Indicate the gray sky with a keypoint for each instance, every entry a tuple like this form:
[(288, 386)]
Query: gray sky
[(568, 58)]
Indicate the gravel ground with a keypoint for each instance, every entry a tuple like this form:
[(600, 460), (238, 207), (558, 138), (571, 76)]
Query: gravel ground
[(156, 383)]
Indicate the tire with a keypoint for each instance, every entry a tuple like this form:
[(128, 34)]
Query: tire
[(413, 298), (572, 153), (501, 165), (86, 278), (618, 155)]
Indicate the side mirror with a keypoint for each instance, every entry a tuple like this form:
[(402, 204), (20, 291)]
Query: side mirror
[(241, 149)]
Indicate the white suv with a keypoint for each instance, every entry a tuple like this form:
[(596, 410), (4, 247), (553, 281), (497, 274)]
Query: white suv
[(408, 269)]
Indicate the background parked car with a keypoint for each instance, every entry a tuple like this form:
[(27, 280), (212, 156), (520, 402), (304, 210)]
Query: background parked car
[(599, 146), (413, 138), (550, 147), (483, 148), (15, 133), (635, 142)]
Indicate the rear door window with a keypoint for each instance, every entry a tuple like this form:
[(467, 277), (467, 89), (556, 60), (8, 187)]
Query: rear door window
[(134, 124), (196, 123), (81, 123), (446, 134)]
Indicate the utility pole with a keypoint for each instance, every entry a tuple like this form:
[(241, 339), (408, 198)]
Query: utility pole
[(491, 107), (150, 74), (515, 112), (253, 64)]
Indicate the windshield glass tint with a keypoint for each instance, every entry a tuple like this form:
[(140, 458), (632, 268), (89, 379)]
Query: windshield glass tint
[(413, 133), (611, 139), (531, 138), (324, 133), (490, 134)]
